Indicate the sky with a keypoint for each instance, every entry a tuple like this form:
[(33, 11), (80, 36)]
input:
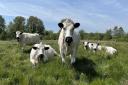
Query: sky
[(93, 15)]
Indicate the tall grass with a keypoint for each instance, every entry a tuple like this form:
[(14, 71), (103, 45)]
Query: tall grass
[(89, 69)]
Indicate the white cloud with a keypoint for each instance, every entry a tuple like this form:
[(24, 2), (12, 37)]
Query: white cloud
[(89, 15)]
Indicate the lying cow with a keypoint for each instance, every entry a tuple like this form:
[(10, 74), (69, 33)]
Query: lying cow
[(90, 46), (41, 52), (68, 39), (95, 46), (27, 38), (110, 50)]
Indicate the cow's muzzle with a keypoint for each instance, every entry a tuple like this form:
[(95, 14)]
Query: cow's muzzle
[(69, 40), (41, 56), (86, 46), (18, 39)]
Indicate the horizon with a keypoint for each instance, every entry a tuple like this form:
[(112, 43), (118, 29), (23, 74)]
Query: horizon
[(94, 16)]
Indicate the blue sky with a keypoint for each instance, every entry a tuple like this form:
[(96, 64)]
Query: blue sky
[(94, 15)]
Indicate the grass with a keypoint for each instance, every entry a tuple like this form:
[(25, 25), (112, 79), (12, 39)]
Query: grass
[(89, 69)]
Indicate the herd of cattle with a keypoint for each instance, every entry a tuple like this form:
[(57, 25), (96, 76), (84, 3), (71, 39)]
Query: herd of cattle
[(68, 42)]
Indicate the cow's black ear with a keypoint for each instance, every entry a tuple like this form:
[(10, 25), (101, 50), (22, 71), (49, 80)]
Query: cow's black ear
[(46, 48), (21, 33), (76, 25), (92, 44), (34, 48), (98, 44), (83, 42), (60, 25)]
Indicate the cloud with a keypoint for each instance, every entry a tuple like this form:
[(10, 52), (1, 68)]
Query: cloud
[(92, 15)]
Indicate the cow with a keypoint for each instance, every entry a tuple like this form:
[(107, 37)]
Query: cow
[(41, 53), (110, 50), (90, 46), (69, 39), (96, 46), (27, 38)]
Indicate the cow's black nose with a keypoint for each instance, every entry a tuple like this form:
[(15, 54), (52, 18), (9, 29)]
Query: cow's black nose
[(41, 56), (17, 38), (68, 39), (95, 49)]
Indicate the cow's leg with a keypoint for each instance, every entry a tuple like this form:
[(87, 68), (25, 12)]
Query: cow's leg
[(73, 55), (62, 55)]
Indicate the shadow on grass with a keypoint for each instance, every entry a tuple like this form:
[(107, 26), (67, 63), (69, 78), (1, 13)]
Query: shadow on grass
[(86, 66)]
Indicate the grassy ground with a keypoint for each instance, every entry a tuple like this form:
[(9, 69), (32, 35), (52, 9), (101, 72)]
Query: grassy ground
[(89, 69)]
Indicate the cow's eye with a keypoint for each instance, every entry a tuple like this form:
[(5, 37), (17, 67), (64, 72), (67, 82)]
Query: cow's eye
[(35, 48)]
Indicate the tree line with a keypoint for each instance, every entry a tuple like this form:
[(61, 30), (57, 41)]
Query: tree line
[(34, 24)]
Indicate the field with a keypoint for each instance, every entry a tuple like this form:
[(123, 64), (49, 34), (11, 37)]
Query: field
[(89, 69)]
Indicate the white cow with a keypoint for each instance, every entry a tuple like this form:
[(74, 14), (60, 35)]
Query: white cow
[(110, 50), (91, 46), (68, 39), (27, 38), (95, 46), (41, 52)]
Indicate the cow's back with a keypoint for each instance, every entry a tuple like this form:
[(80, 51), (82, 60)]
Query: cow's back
[(29, 38)]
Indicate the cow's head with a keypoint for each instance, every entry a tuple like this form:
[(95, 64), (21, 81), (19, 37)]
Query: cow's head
[(39, 51), (18, 35), (68, 26), (85, 43), (95, 46)]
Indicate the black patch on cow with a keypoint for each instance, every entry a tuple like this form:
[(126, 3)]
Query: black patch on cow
[(76, 25), (60, 25), (35, 48), (46, 48), (21, 33)]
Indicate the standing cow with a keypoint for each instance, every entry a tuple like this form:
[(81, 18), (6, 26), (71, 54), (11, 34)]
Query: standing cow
[(68, 39), (27, 38)]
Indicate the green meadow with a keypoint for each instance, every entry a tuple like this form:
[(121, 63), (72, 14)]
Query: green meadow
[(90, 68)]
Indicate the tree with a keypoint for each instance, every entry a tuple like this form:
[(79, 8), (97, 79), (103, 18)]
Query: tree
[(10, 31), (34, 24), (81, 34), (108, 35), (121, 31), (2, 24), (19, 23)]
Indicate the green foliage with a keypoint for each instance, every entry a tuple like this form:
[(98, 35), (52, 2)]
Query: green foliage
[(50, 35), (19, 24), (35, 24), (2, 24)]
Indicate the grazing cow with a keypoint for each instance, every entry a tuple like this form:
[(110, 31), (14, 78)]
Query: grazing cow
[(90, 46), (68, 39), (41, 52), (27, 38)]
